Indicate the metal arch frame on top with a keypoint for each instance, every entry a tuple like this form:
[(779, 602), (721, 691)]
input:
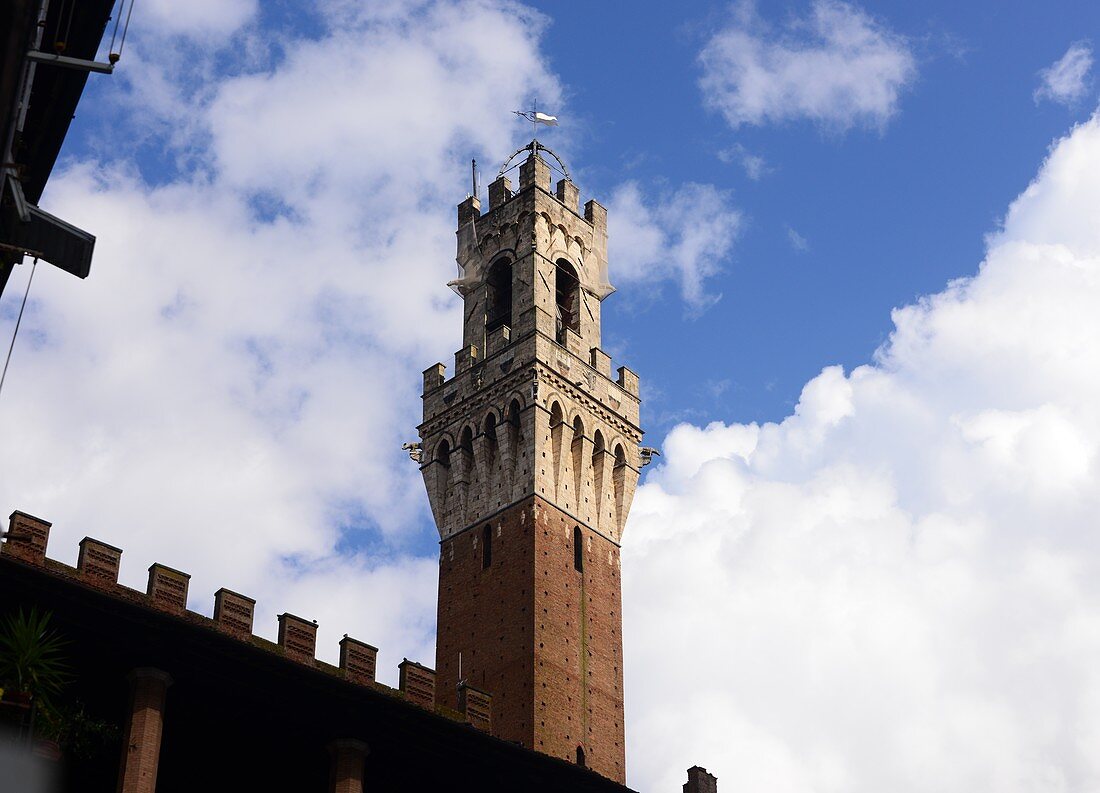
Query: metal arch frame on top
[(534, 147)]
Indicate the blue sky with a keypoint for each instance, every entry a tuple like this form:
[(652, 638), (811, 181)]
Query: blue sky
[(888, 212), (857, 258)]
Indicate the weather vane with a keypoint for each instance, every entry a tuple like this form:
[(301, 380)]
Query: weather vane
[(535, 117)]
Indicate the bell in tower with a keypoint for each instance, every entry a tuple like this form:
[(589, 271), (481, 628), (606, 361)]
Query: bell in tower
[(530, 458)]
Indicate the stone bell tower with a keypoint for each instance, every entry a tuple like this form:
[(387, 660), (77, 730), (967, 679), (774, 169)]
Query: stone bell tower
[(530, 456)]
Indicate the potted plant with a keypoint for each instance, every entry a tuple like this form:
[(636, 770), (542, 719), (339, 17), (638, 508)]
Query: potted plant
[(33, 670), (33, 674)]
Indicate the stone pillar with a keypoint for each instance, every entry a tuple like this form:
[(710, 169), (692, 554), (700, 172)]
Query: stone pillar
[(346, 769), (141, 737)]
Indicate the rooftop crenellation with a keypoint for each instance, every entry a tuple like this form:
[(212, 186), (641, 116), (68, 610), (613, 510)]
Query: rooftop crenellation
[(98, 567)]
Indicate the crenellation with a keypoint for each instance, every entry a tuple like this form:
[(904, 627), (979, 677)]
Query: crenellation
[(298, 638), (167, 588), (500, 192), (476, 705), (98, 562), (628, 381), (27, 538), (358, 660), (497, 340), (469, 210), (233, 612), (434, 377), (600, 361), (98, 567), (568, 194), (417, 683), (465, 358), (534, 171)]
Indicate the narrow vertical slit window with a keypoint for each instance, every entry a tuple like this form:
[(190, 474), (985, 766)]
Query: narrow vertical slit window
[(486, 547), (580, 757), (578, 550)]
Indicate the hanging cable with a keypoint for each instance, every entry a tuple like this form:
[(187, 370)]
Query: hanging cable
[(114, 33), (112, 55), (61, 42), (125, 28), (19, 319)]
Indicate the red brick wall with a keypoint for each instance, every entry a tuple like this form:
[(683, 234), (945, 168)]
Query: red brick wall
[(542, 638), (486, 615)]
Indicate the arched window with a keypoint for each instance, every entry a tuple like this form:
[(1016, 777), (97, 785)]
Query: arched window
[(443, 453), (577, 450), (491, 439), (513, 429), (578, 550), (618, 477), (498, 295), (465, 451), (443, 470), (556, 423), (580, 757), (597, 465), (567, 293), (486, 547)]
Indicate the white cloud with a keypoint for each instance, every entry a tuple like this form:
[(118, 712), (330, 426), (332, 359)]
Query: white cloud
[(1066, 80), (754, 165), (228, 392), (838, 67), (797, 241), (897, 587), (685, 235), (208, 19)]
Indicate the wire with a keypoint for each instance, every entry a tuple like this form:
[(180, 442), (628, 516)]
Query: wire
[(112, 54), (115, 31), (126, 28), (15, 333)]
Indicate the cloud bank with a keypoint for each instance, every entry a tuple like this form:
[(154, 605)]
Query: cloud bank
[(897, 587), (837, 66)]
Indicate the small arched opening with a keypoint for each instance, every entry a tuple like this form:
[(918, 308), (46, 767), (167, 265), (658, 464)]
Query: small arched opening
[(577, 450), (580, 757), (513, 432), (491, 447), (466, 451), (556, 422), (619, 478), (597, 465), (567, 299), (443, 453), (442, 470)]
